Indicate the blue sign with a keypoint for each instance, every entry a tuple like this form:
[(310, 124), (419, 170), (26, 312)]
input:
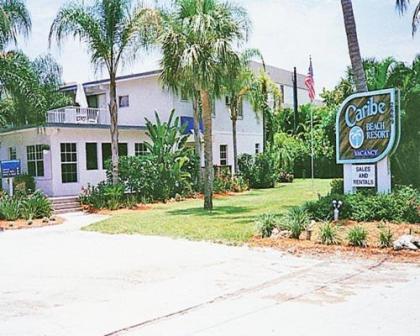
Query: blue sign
[(188, 123), (10, 168)]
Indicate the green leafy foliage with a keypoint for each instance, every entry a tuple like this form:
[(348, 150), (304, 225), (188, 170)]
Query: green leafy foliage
[(337, 187), (385, 238), (10, 208), (296, 221), (24, 184), (357, 236), (328, 234), (36, 206), (258, 171), (400, 206), (265, 224)]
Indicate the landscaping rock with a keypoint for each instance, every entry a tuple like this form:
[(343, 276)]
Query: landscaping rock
[(407, 242), (276, 234)]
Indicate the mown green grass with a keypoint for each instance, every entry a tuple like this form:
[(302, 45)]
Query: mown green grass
[(232, 219)]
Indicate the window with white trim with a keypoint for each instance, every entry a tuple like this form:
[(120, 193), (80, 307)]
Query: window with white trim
[(35, 160), (68, 162), (223, 155), (12, 153), (140, 149)]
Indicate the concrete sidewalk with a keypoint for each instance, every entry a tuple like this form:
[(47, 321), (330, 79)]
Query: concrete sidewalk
[(63, 281)]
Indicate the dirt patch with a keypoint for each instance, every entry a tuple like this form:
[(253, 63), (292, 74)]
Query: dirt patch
[(23, 224), (314, 247)]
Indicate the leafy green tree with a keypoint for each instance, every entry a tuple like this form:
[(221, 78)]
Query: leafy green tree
[(14, 21), (169, 154), (244, 84), (198, 42), (31, 89), (115, 31)]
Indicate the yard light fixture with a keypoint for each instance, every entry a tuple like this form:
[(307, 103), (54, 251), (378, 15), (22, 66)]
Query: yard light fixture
[(336, 205)]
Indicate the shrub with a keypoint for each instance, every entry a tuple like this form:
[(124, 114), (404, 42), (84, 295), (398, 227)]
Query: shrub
[(322, 209), (93, 196), (296, 221), (328, 234), (357, 236), (114, 195), (24, 184), (10, 208), (36, 206), (401, 205), (258, 171), (337, 187), (265, 224), (385, 238)]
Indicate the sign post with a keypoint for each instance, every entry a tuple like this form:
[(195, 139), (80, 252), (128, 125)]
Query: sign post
[(10, 169), (368, 132)]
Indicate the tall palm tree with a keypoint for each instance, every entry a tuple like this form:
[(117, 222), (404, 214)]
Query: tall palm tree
[(198, 43), (245, 84), (237, 86), (114, 30), (402, 6), (353, 45)]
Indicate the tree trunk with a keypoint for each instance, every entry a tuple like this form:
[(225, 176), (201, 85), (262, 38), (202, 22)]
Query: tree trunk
[(353, 44), (265, 111), (113, 111), (197, 140), (234, 118), (208, 150)]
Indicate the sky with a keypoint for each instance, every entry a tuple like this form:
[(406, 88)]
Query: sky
[(285, 31)]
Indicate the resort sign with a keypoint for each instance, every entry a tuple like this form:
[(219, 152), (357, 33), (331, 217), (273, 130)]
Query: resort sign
[(368, 127)]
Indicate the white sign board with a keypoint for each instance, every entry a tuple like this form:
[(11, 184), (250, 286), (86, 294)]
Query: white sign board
[(363, 176)]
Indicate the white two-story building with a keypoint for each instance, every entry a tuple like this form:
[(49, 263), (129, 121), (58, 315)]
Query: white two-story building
[(69, 151)]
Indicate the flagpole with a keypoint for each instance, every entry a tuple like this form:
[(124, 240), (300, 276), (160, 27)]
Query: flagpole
[(312, 148)]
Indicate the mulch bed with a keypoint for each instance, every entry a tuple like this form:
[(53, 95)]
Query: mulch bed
[(23, 224), (313, 247)]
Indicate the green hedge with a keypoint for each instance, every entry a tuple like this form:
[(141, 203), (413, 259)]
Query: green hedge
[(402, 205)]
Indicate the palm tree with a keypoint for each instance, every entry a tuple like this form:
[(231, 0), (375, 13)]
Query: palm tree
[(114, 30), (353, 45), (14, 20), (198, 43), (244, 83), (402, 7), (238, 85)]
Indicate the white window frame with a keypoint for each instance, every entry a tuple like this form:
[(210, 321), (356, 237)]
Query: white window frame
[(70, 161), (12, 153), (138, 151), (223, 155)]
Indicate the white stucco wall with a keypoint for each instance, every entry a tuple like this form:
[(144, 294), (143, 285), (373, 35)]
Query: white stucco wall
[(20, 140)]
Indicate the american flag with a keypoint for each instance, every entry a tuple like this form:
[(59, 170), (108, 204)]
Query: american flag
[(309, 81)]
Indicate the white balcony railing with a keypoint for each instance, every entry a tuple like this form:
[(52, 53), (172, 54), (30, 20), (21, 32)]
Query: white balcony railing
[(75, 115)]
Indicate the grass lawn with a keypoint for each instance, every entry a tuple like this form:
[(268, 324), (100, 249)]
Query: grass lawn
[(232, 219)]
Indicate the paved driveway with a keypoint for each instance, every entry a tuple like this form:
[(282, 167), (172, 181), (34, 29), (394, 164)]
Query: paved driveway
[(62, 281)]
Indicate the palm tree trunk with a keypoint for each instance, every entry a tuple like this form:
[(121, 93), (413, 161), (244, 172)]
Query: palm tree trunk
[(234, 118), (264, 114), (353, 44), (197, 141), (208, 150), (113, 111)]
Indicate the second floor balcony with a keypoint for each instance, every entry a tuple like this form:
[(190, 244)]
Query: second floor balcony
[(78, 115)]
